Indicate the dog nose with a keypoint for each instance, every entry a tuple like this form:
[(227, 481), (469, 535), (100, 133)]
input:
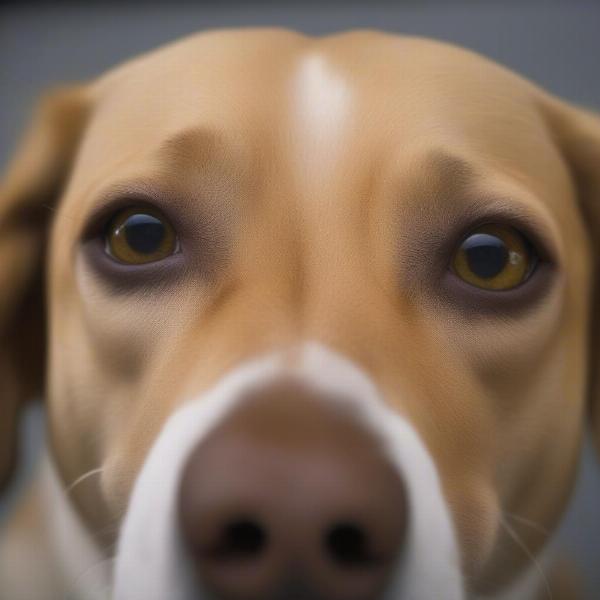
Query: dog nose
[(291, 499)]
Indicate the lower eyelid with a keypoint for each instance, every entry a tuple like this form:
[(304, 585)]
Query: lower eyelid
[(473, 301), (129, 278)]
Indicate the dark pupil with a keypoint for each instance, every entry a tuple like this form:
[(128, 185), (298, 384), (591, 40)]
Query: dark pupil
[(144, 233), (486, 255)]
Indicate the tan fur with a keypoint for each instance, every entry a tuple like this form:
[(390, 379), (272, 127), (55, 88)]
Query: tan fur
[(435, 135)]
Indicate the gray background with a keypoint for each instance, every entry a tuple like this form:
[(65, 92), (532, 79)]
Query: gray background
[(556, 43)]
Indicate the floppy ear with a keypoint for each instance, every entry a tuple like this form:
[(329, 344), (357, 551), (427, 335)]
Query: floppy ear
[(578, 134), (29, 190)]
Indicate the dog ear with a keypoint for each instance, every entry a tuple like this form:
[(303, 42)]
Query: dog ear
[(29, 190), (577, 132)]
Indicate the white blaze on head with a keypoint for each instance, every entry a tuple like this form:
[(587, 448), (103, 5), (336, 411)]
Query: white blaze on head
[(322, 106)]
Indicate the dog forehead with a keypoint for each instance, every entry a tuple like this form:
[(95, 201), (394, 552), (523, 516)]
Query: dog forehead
[(273, 89), (232, 79)]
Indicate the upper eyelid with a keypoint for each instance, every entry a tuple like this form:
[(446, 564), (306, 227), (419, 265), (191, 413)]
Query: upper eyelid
[(120, 198), (424, 251), (467, 190), (524, 229), (187, 211), (499, 211)]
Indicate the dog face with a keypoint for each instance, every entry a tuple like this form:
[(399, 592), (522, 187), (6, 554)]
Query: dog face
[(388, 235)]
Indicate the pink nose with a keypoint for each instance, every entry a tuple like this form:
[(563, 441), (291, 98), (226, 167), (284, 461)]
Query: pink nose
[(291, 499)]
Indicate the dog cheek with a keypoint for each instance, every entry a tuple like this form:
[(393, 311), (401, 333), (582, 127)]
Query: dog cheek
[(125, 460), (476, 512)]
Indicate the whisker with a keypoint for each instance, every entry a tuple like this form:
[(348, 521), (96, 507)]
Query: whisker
[(532, 524), (534, 561), (82, 478)]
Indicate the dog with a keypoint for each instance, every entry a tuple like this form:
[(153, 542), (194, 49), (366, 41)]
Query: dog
[(313, 319)]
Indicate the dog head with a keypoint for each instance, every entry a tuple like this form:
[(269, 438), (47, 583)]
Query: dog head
[(319, 313)]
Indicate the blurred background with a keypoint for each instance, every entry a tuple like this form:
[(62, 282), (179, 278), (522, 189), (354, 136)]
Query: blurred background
[(555, 43)]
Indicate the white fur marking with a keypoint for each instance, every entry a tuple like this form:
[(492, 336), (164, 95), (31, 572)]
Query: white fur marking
[(430, 566), (322, 103), (151, 563)]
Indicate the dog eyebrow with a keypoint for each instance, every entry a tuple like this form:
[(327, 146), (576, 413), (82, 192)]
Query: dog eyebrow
[(189, 164), (455, 191), (450, 172), (192, 147), (477, 187)]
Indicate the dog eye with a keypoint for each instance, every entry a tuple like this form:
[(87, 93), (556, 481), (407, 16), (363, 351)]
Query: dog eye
[(494, 257), (137, 236)]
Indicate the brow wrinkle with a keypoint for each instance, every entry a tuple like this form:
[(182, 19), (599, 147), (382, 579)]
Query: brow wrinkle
[(450, 172), (192, 147)]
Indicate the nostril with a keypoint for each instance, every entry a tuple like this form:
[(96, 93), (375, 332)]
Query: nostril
[(348, 545), (239, 539)]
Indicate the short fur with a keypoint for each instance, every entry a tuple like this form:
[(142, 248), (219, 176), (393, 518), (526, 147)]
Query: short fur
[(433, 138)]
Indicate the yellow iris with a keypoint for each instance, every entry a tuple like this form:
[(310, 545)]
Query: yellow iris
[(493, 257), (136, 236)]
